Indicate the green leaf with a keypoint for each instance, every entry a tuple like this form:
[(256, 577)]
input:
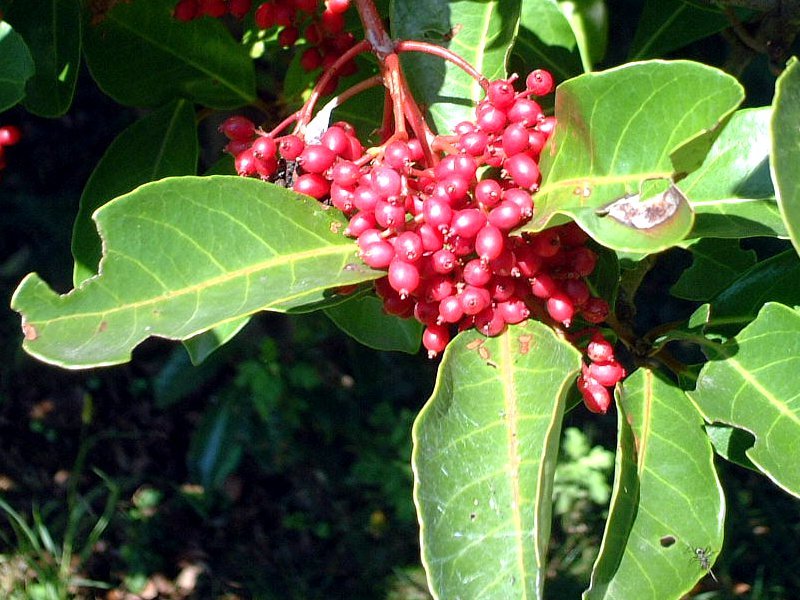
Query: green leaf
[(362, 318), (751, 383), (786, 148), (774, 279), (482, 33), (485, 448), (52, 30), (545, 39), (161, 144), (617, 132), (16, 66), (130, 47), (203, 345), (731, 193), (667, 499), (589, 22), (186, 254), (716, 264), (731, 444), (667, 25)]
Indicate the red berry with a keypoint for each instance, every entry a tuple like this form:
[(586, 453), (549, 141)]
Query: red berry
[(513, 311), (525, 111), (467, 222), (490, 322), (523, 170), (332, 22), (506, 216), (245, 163), (489, 243), (264, 146), (237, 128), (312, 184), (378, 255), (306, 6), (539, 82), (336, 139), (476, 273), (316, 158), (515, 139), (403, 277), (212, 8), (595, 396), (185, 10), (561, 308), (435, 338), (408, 246), (543, 286), (265, 16), (450, 309), (488, 192), (501, 93), (397, 155), (288, 36), (474, 299), (607, 374), (310, 59), (547, 125), (290, 147), (386, 182), (239, 8), (595, 310), (599, 349)]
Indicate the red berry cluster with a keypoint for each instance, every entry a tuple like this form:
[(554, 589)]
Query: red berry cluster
[(441, 225), (9, 136), (601, 373)]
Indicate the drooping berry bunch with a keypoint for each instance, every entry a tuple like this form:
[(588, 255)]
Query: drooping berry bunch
[(442, 222), (601, 373), (9, 136)]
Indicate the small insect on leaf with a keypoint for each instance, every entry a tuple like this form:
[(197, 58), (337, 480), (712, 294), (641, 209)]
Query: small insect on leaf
[(634, 212), (667, 540), (704, 557)]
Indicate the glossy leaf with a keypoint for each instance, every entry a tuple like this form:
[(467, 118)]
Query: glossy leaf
[(363, 319), (751, 383), (731, 193), (589, 22), (667, 499), (545, 40), (52, 30), (731, 444), (667, 25), (186, 254), (618, 133), (786, 149), (161, 144), (485, 448), (16, 66), (716, 264), (204, 344), (480, 32), (774, 279), (132, 45)]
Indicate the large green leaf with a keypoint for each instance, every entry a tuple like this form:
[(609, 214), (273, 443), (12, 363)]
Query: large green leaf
[(618, 130), (716, 264), (186, 254), (161, 144), (52, 30), (481, 32), (751, 383), (666, 25), (545, 40), (786, 148), (771, 280), (485, 447), (16, 66), (362, 317), (141, 56), (731, 193), (667, 500)]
